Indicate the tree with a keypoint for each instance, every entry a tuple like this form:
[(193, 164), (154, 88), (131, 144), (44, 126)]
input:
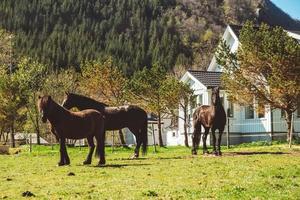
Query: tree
[(158, 92), (5, 48), (265, 67), (105, 82), (176, 95), (31, 79)]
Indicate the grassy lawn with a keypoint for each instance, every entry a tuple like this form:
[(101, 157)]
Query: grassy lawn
[(243, 172)]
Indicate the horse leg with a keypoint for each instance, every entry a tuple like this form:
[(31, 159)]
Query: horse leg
[(91, 150), (64, 158), (204, 137), (213, 130), (138, 143), (196, 139), (219, 142), (101, 148)]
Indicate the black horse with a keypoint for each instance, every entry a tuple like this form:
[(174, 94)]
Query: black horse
[(116, 118), (74, 125), (210, 117)]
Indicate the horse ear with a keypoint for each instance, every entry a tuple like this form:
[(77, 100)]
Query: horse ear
[(49, 98), (67, 93)]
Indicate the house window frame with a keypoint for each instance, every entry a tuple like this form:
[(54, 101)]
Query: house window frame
[(230, 111), (250, 107)]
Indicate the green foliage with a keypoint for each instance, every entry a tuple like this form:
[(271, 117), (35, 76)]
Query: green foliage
[(105, 82), (266, 66), (64, 33), (5, 48)]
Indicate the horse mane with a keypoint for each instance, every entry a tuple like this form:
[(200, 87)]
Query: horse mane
[(88, 100)]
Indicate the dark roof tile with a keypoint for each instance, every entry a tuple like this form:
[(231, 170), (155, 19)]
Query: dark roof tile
[(207, 78)]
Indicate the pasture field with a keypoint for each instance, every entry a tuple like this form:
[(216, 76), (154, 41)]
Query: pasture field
[(243, 172)]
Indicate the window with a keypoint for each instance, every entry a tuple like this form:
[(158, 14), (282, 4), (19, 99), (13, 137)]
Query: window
[(230, 110), (249, 112), (261, 111), (193, 104), (200, 99), (173, 134), (282, 113)]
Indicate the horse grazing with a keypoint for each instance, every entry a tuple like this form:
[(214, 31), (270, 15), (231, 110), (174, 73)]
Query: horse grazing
[(116, 118), (210, 117), (74, 125)]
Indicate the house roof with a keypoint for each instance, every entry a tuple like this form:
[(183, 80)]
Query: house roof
[(207, 78)]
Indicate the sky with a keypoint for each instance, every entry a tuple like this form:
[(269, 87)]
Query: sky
[(291, 7)]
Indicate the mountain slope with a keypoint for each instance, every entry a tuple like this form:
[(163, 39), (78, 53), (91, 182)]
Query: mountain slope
[(174, 33)]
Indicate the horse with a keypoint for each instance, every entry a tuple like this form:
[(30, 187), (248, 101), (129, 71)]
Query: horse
[(74, 125), (210, 117), (116, 118)]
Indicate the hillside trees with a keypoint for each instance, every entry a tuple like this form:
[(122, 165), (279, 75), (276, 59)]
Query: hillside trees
[(265, 67)]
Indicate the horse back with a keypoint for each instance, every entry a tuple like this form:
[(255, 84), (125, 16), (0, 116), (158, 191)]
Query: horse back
[(203, 115), (124, 116), (83, 124)]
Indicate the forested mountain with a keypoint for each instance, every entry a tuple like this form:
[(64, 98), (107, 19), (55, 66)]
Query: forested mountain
[(136, 33)]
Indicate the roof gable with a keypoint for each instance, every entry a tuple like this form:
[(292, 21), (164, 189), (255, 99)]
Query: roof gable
[(207, 78)]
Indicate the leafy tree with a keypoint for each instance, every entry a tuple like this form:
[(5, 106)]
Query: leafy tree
[(177, 93), (158, 92), (105, 82), (5, 48), (31, 80), (265, 67)]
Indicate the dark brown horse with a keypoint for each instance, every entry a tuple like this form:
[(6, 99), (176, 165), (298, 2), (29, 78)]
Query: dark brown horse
[(210, 117), (74, 125), (132, 117)]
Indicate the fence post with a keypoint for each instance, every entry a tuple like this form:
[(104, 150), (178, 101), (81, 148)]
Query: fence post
[(153, 135), (227, 135), (30, 143), (113, 141), (291, 131), (272, 125)]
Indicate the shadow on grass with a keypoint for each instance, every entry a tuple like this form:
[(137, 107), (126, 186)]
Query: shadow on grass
[(122, 165), (249, 153), (130, 159), (174, 157)]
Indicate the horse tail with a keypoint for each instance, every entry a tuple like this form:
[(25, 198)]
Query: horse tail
[(144, 136)]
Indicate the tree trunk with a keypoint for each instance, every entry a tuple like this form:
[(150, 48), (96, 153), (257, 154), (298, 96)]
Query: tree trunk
[(37, 129), (160, 140), (1, 134), (288, 119), (186, 142), (12, 136), (123, 142)]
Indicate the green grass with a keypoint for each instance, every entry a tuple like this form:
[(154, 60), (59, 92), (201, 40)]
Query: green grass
[(244, 172)]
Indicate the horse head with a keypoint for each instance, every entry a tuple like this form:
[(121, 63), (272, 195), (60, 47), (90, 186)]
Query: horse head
[(44, 105), (68, 101), (215, 96)]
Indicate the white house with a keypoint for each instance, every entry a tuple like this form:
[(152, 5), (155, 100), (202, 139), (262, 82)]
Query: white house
[(245, 124)]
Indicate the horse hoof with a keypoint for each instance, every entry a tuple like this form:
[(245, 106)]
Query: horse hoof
[(205, 153), (61, 164), (134, 157), (194, 152), (87, 162)]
